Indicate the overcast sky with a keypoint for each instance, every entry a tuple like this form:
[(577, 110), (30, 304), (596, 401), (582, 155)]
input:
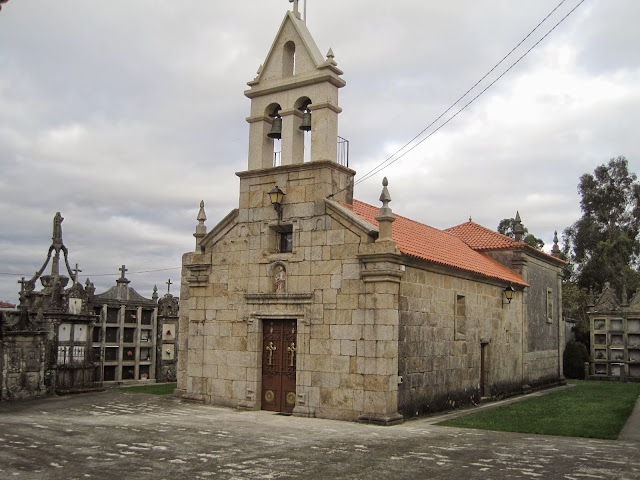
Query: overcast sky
[(123, 115)]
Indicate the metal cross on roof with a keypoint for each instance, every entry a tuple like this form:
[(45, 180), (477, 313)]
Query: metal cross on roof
[(169, 286)]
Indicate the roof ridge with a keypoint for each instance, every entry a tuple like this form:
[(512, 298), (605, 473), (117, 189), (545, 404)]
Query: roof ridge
[(422, 241)]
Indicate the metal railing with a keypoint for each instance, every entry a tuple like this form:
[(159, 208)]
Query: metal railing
[(342, 158), (343, 151)]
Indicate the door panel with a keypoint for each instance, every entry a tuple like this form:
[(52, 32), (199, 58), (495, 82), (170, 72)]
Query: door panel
[(279, 353)]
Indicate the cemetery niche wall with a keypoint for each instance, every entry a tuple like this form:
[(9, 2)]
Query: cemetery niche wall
[(615, 336)]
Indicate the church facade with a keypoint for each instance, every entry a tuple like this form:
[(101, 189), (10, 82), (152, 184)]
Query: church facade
[(307, 301)]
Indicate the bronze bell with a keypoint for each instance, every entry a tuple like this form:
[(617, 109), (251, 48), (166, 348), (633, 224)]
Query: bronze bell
[(276, 128), (306, 121)]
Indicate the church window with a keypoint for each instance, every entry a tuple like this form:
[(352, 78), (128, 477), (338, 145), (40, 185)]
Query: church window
[(286, 241), (460, 320), (289, 59), (549, 305)]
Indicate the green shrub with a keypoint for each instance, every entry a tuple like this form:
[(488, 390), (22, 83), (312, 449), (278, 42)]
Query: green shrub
[(574, 357)]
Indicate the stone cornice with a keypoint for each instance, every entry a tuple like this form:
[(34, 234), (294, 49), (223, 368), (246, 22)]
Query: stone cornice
[(296, 167), (282, 86), (381, 275), (223, 225), (198, 275), (278, 298), (351, 217)]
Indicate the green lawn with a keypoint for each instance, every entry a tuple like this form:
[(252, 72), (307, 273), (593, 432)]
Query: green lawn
[(588, 409), (160, 389)]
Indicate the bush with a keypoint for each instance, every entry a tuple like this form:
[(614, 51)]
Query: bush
[(574, 357)]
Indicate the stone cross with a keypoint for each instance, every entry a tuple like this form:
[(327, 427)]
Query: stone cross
[(169, 286), (76, 271), (22, 282), (122, 269), (295, 5)]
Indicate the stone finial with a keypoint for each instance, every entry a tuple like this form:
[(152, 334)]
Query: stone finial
[(518, 229), (330, 58), (57, 229), (555, 251), (385, 216), (89, 288), (154, 296), (201, 229)]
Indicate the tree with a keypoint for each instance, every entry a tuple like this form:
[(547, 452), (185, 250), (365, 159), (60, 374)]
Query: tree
[(505, 227), (574, 357), (602, 246)]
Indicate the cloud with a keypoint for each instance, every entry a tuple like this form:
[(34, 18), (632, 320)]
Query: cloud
[(124, 115)]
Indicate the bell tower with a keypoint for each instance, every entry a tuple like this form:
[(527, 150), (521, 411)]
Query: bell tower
[(294, 92)]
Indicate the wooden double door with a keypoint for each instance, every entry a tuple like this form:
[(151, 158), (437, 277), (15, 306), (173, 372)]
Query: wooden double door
[(279, 354)]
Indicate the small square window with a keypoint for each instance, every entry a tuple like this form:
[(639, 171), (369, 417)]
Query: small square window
[(285, 242)]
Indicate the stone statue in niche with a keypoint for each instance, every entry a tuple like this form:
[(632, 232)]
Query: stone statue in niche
[(280, 279)]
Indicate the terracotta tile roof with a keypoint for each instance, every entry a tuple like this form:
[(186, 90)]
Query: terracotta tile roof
[(7, 305), (481, 238), (427, 243)]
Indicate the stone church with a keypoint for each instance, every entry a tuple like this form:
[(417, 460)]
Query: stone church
[(304, 300)]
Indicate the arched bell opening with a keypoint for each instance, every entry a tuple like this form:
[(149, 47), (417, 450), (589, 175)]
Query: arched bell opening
[(275, 134), (303, 105)]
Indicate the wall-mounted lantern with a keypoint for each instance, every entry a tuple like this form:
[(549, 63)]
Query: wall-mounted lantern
[(276, 196), (508, 295)]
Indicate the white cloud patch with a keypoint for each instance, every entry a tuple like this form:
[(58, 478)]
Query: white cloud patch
[(124, 115)]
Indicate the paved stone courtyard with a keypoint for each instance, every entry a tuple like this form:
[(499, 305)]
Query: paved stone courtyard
[(127, 435)]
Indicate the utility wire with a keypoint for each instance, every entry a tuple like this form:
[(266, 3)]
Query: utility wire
[(105, 274), (390, 160)]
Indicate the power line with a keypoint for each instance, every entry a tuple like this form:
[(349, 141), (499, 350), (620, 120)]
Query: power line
[(390, 160), (378, 168), (381, 167), (104, 274)]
